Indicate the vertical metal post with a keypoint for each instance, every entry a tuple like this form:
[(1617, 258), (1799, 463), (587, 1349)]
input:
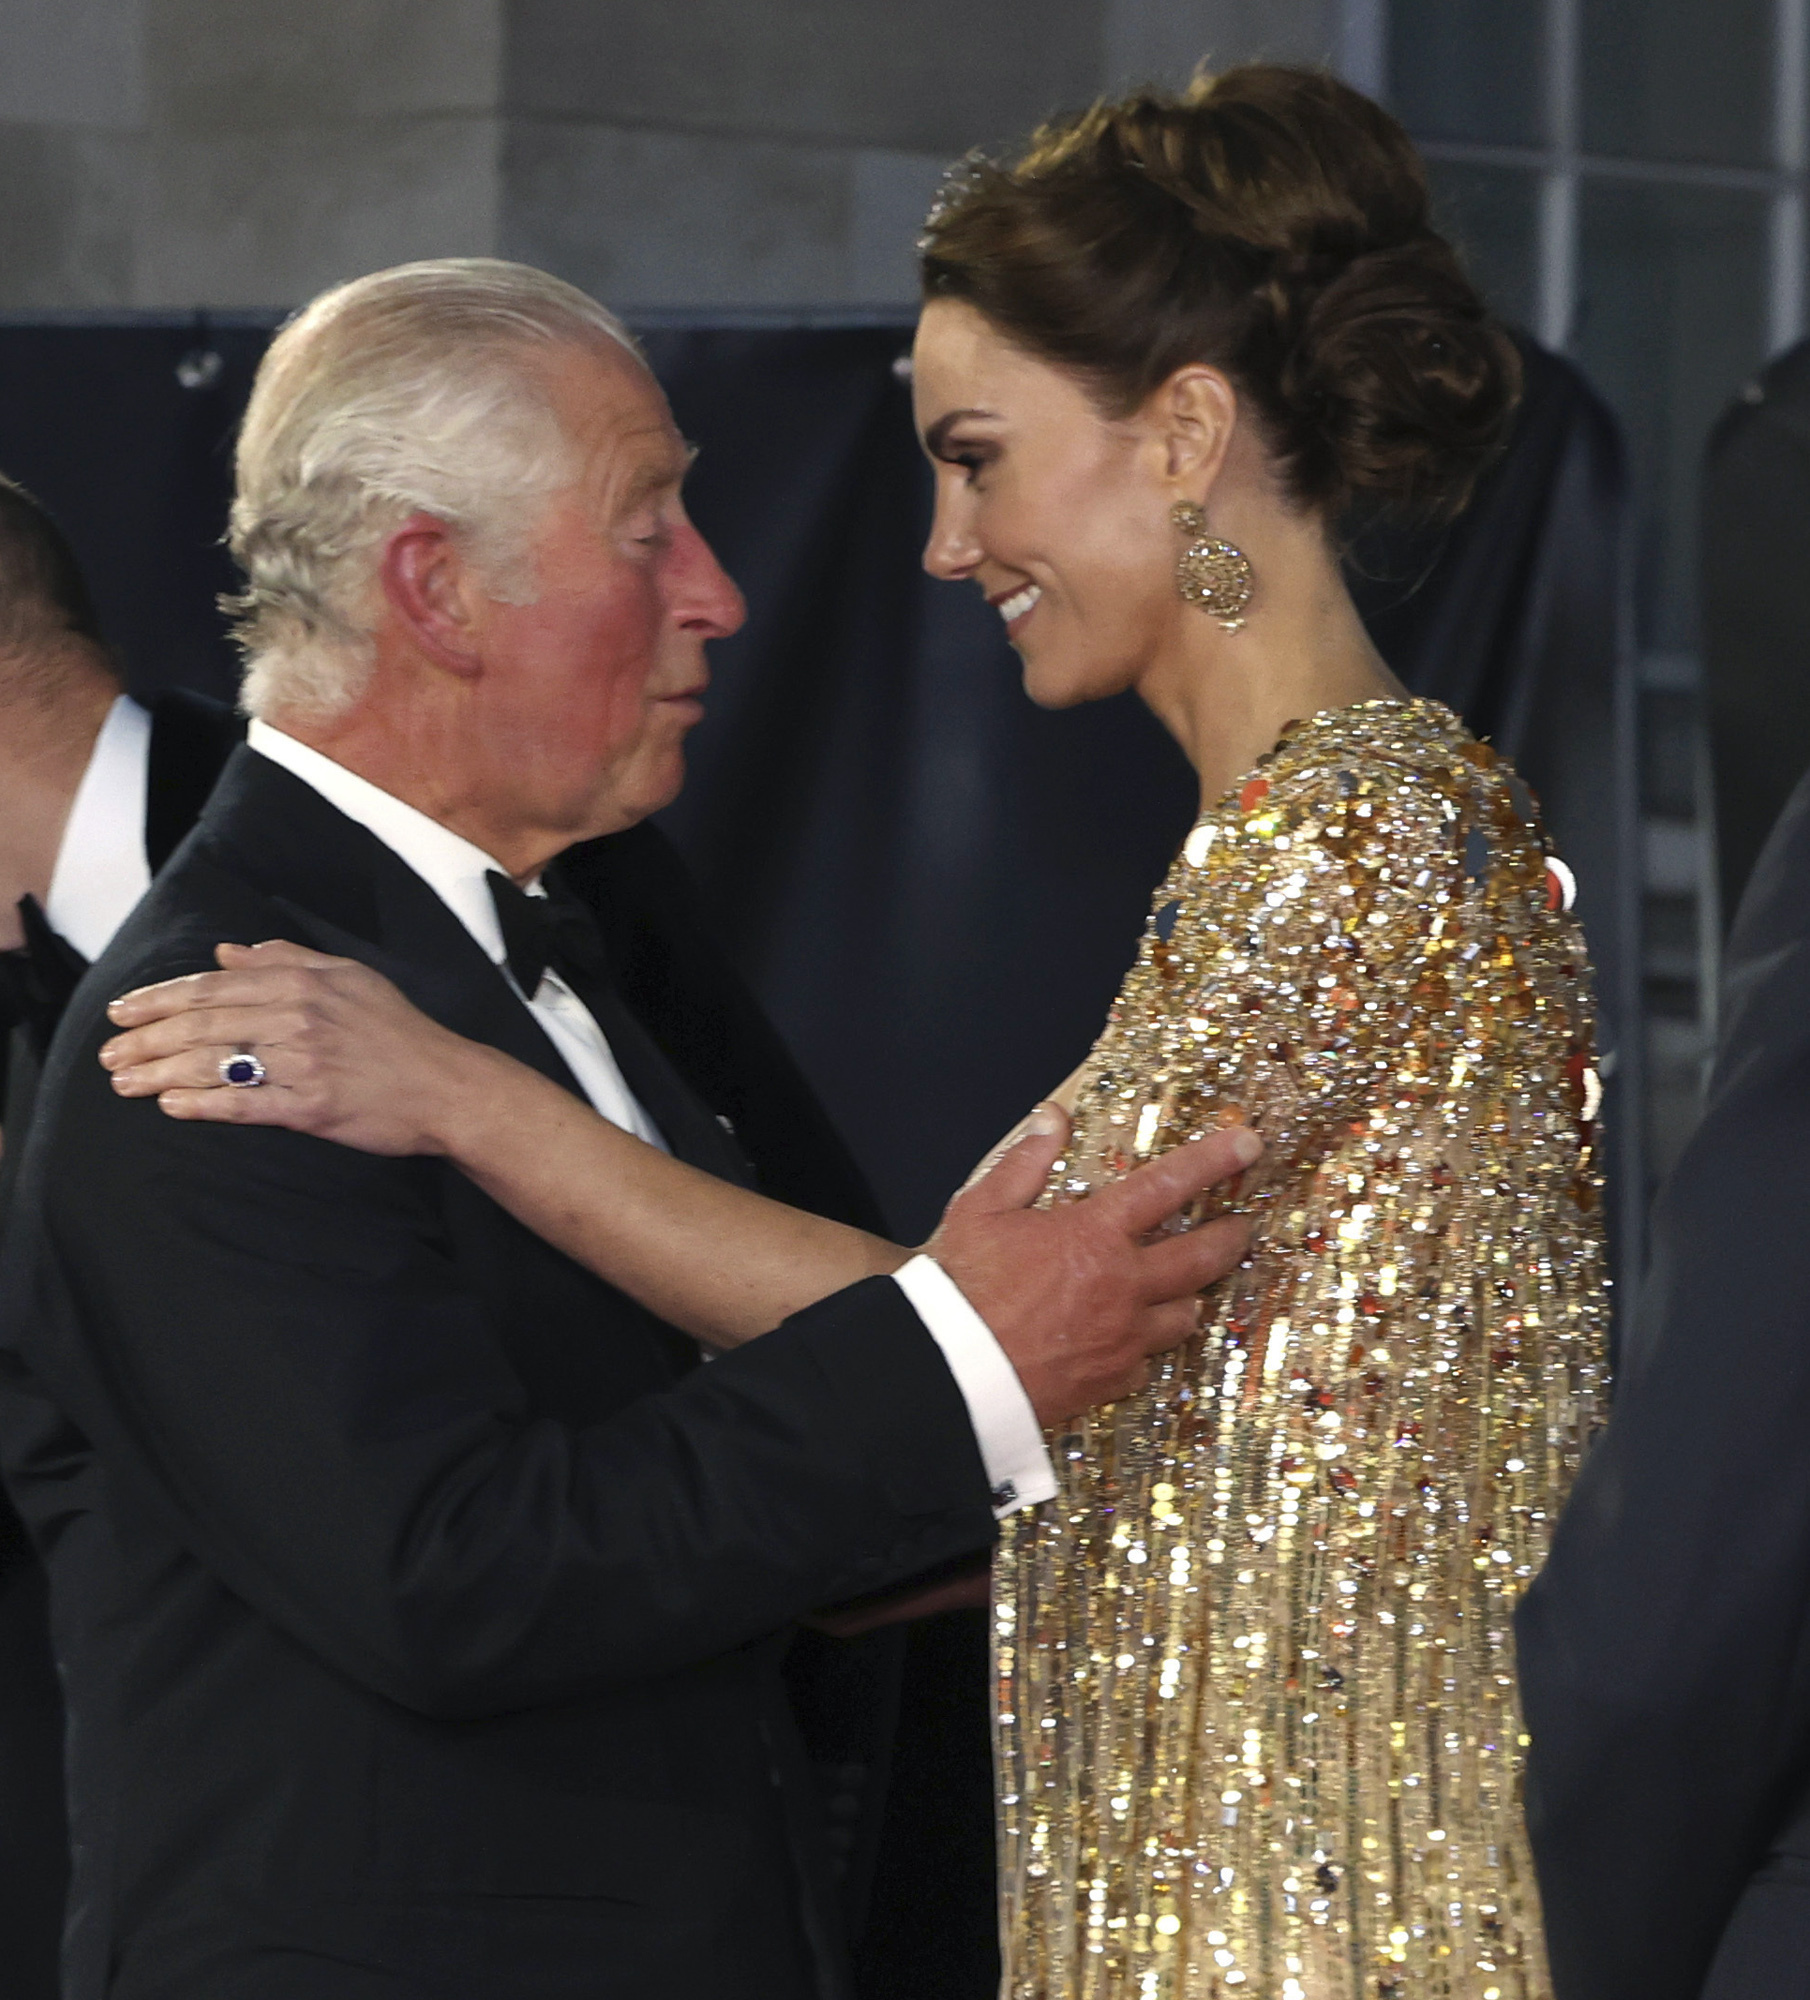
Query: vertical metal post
[(1363, 57), (1791, 154), (1556, 296)]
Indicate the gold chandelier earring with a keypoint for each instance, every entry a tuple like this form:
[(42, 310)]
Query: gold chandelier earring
[(1211, 573)]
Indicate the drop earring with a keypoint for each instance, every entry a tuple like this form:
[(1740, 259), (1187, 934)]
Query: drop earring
[(1211, 573)]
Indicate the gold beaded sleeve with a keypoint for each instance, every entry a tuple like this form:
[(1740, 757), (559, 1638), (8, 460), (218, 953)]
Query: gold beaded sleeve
[(1258, 1731)]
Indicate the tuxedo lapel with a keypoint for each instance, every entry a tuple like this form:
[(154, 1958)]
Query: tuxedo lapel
[(345, 892), (341, 890)]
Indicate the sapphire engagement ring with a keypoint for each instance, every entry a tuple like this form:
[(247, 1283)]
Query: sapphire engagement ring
[(242, 1070)]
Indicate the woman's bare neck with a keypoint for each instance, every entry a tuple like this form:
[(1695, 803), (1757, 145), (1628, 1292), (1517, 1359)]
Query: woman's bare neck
[(1227, 696)]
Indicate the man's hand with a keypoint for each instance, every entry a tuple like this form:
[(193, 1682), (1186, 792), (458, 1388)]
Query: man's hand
[(1075, 1294)]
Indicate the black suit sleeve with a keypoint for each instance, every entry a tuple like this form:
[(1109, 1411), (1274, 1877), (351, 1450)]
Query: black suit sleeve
[(1665, 1651), (271, 1335)]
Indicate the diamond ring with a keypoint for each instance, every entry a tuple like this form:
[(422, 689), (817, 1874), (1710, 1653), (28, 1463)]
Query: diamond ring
[(242, 1070)]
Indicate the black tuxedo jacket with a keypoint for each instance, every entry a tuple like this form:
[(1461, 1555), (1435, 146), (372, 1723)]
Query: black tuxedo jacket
[(191, 738), (1665, 1651), (419, 1599)]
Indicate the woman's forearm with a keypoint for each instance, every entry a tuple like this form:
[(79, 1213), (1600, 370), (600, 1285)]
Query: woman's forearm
[(715, 1260)]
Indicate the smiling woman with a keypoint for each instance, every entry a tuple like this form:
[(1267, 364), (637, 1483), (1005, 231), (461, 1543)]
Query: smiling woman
[(1257, 1729)]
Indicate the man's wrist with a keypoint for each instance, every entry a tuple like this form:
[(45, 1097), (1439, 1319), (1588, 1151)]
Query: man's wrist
[(1005, 1424)]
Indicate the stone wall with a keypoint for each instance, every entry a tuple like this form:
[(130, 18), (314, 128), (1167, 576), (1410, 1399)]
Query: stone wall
[(762, 153)]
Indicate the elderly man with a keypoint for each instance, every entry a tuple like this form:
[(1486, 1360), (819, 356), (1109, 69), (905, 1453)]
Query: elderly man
[(419, 1599)]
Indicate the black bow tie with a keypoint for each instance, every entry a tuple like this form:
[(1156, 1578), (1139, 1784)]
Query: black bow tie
[(553, 931), (36, 982), (556, 932)]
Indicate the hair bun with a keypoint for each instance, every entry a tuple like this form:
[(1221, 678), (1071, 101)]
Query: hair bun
[(1398, 386), (1274, 222)]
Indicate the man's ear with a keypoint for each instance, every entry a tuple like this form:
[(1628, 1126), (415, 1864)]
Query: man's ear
[(1194, 414), (431, 592)]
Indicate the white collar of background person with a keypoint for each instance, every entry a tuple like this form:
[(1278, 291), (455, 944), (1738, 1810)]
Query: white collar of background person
[(101, 869)]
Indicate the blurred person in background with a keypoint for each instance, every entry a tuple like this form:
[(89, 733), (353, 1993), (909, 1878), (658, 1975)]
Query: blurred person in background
[(95, 793), (1258, 1728), (1665, 1650)]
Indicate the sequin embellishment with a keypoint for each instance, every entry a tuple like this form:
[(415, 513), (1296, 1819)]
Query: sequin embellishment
[(1258, 1734)]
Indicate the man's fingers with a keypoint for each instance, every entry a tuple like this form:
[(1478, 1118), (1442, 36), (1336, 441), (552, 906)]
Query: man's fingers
[(1021, 1170), (1150, 1194), (1167, 1326), (1178, 1267)]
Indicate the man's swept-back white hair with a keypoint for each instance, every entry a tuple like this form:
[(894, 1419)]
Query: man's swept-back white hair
[(416, 390)]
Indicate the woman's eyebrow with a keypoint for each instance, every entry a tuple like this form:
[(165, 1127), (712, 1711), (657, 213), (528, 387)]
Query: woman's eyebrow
[(938, 434)]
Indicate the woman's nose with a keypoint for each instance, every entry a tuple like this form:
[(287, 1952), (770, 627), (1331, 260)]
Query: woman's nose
[(951, 553)]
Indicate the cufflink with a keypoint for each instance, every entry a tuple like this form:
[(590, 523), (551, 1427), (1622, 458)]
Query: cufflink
[(1005, 1494)]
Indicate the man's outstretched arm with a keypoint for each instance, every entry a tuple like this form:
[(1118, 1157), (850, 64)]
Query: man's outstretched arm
[(277, 1336)]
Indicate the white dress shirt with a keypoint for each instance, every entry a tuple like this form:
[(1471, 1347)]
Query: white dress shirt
[(101, 870), (1005, 1426), (455, 870)]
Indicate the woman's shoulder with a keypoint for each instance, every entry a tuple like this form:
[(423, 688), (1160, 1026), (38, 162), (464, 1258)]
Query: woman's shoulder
[(1387, 753), (1404, 771), (1377, 812)]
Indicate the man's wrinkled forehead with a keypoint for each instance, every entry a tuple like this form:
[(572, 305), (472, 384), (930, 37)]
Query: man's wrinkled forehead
[(617, 415)]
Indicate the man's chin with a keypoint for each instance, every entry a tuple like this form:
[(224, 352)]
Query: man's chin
[(652, 787)]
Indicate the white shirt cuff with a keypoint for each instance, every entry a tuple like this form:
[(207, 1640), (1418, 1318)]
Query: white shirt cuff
[(1005, 1425)]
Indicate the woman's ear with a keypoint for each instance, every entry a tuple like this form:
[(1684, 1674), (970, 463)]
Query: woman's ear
[(428, 587), (1195, 413)]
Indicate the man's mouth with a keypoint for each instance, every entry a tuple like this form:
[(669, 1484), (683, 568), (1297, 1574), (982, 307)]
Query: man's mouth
[(1018, 605)]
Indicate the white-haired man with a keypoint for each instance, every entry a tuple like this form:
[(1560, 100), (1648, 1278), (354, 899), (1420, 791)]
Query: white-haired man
[(418, 1599)]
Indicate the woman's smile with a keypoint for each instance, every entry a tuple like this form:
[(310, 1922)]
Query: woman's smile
[(1017, 605)]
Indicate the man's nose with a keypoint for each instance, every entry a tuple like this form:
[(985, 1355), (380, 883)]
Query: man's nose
[(951, 553), (705, 599)]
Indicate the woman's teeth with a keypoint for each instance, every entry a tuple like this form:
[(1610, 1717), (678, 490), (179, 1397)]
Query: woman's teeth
[(1019, 602)]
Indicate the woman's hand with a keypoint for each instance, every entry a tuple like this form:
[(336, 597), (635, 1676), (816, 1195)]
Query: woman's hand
[(345, 1056)]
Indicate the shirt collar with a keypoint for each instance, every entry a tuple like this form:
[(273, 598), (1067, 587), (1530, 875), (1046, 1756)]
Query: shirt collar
[(452, 866), (101, 870)]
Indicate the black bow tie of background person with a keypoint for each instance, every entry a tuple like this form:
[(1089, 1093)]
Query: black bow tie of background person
[(556, 933), (37, 979)]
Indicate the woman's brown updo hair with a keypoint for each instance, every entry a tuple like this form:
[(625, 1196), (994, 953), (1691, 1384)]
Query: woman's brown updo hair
[(1274, 223)]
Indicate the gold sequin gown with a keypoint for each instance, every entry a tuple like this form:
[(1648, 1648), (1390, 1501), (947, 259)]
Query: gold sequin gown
[(1258, 1736)]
